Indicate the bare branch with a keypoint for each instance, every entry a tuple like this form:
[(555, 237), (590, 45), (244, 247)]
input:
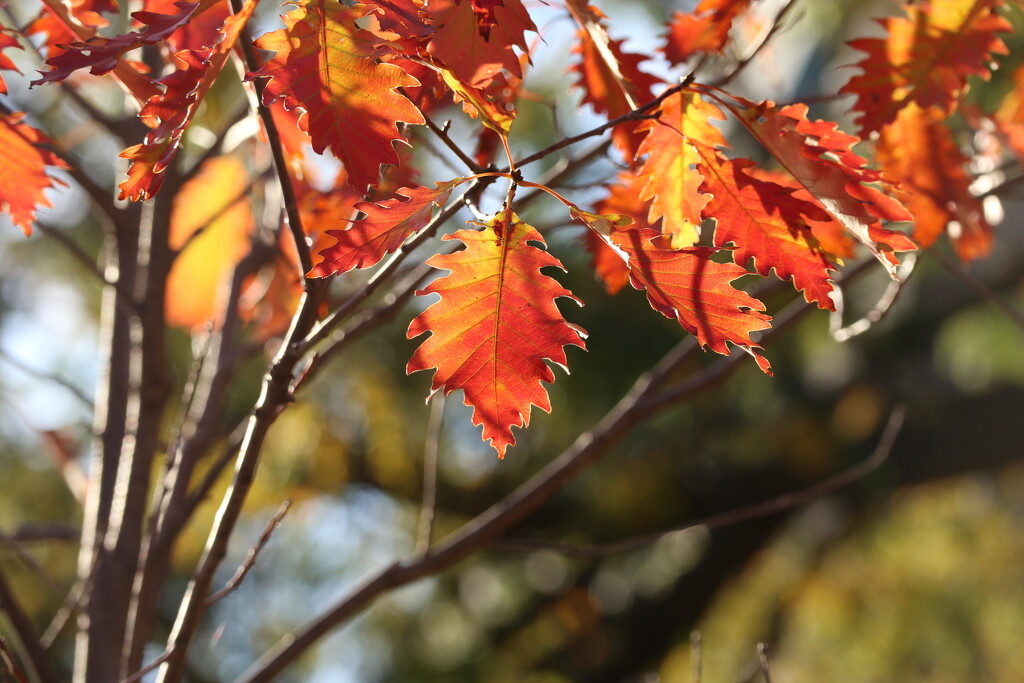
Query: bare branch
[(250, 559), (9, 666), (430, 452), (28, 643), (786, 501), (983, 290), (842, 332)]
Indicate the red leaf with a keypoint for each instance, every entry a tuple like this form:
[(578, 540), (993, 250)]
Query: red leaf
[(202, 31), (101, 55), (818, 156), (8, 39), (705, 31), (23, 163), (767, 224), (685, 284), (496, 326), (340, 84), (170, 112), (386, 226), (609, 78), (926, 58), (460, 45), (917, 150)]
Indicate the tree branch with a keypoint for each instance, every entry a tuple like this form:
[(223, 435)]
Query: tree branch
[(34, 656)]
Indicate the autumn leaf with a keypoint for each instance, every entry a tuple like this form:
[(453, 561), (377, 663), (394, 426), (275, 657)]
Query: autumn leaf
[(203, 30), (170, 112), (609, 77), (496, 326), (917, 150), (101, 55), (672, 181), (926, 58), (461, 45), (767, 224), (705, 31), (690, 287), (329, 67), (214, 203), (23, 162), (383, 230), (623, 199), (8, 39), (819, 157)]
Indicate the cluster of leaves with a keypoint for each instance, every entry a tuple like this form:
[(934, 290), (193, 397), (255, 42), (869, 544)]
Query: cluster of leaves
[(682, 221)]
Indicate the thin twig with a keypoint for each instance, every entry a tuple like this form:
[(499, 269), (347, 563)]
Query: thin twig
[(430, 452), (72, 601), (442, 135), (250, 559), (138, 675), (7, 660), (47, 377), (772, 506), (842, 332), (124, 297), (762, 657), (35, 659), (982, 289)]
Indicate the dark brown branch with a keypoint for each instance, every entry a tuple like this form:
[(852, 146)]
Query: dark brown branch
[(786, 501), (8, 663), (47, 377), (250, 560), (982, 289), (442, 135), (28, 643), (431, 449)]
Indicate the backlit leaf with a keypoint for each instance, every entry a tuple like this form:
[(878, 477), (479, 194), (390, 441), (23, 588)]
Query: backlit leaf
[(329, 67), (926, 58), (23, 162), (496, 327), (383, 230)]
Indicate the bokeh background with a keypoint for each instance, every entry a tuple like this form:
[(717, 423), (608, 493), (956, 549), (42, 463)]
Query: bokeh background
[(910, 574)]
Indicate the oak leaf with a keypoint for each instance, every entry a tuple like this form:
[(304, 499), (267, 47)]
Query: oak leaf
[(382, 231), (690, 287), (918, 150), (705, 31), (496, 326), (766, 223), (925, 58), (328, 66), (170, 112), (8, 39), (819, 157), (672, 181), (477, 41), (609, 77), (23, 177)]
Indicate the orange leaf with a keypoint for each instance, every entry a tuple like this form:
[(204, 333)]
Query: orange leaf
[(818, 156), (8, 39), (917, 150), (386, 226), (496, 326), (672, 179), (926, 58), (209, 202), (329, 67), (767, 224), (609, 78), (476, 42), (23, 162), (705, 31), (685, 284)]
